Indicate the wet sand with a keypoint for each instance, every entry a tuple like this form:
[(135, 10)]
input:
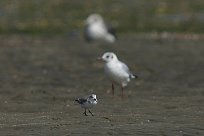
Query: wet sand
[(41, 76)]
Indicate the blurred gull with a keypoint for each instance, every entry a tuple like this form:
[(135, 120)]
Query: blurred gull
[(96, 29), (87, 103), (116, 70)]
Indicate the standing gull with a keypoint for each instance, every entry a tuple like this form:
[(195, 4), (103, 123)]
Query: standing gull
[(117, 71), (87, 103), (96, 29)]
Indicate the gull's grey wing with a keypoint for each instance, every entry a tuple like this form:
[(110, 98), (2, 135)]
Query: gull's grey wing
[(124, 67), (86, 34), (111, 30)]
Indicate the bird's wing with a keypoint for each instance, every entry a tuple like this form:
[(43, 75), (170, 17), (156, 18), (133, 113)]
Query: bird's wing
[(81, 100), (124, 67), (111, 30), (86, 34)]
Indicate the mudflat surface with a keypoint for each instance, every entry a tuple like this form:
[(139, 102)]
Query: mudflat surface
[(41, 76)]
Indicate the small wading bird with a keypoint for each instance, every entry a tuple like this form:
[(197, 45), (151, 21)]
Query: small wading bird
[(87, 103), (97, 30), (117, 71)]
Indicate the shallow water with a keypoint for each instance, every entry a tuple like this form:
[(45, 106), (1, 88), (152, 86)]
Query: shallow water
[(41, 76)]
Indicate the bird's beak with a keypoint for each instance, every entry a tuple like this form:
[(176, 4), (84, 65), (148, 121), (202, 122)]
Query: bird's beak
[(85, 22), (99, 59)]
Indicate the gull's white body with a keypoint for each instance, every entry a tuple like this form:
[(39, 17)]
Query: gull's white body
[(117, 71), (96, 29)]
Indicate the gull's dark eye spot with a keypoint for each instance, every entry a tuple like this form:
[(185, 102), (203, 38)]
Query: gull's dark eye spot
[(94, 99), (107, 56)]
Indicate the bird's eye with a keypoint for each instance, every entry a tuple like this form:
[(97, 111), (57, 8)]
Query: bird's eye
[(107, 56), (94, 99)]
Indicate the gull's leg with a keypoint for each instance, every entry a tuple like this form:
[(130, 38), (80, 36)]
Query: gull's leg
[(122, 91), (91, 113), (85, 113), (112, 89)]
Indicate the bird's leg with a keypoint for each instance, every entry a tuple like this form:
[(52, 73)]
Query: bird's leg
[(85, 113), (122, 92), (112, 89), (91, 113)]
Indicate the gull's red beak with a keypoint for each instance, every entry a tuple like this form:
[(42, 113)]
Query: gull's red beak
[(99, 59)]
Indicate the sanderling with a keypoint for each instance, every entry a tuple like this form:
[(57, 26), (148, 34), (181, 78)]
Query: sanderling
[(116, 70), (87, 103), (96, 29)]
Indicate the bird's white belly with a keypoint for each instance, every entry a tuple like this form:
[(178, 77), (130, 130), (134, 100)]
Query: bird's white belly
[(117, 76), (87, 105), (97, 31)]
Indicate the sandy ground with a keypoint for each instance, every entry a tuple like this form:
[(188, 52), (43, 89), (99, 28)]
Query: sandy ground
[(41, 76)]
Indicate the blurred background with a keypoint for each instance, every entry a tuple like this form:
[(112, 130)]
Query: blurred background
[(45, 64), (62, 16)]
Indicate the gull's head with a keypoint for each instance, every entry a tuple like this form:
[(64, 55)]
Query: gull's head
[(94, 18), (109, 56), (93, 98)]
